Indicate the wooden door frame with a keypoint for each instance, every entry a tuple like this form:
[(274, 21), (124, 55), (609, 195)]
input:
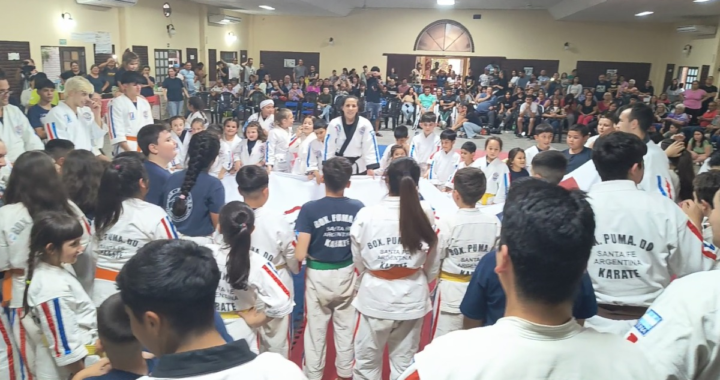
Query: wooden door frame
[(82, 61)]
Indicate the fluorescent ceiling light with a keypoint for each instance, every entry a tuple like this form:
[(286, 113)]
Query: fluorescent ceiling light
[(700, 1), (446, 2), (646, 13), (267, 7)]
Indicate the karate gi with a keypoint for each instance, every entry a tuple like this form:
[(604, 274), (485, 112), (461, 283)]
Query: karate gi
[(642, 240), (274, 240), (316, 152), (179, 153), (140, 223), (78, 126), (422, 147), (17, 134), (497, 177), (301, 147), (224, 160), (233, 147), (463, 240), (680, 331), (126, 120), (360, 147), (62, 325), (192, 117), (263, 285), (255, 156), (657, 172), (530, 153), (442, 167), (391, 310), (11, 364), (266, 124), (278, 153)]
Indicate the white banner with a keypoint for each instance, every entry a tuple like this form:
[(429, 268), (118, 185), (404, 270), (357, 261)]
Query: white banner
[(289, 192)]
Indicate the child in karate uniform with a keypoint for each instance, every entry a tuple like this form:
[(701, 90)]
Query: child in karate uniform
[(278, 157), (443, 163), (496, 172)]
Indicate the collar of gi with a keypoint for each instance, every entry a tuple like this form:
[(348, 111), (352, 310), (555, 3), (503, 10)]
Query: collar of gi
[(203, 362)]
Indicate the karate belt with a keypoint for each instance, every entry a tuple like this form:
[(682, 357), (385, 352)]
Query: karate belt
[(621, 312), (455, 277), (134, 139), (319, 265), (232, 314), (486, 198), (105, 274), (7, 284), (394, 273)]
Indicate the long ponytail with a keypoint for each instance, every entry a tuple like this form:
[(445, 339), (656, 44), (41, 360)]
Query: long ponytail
[(202, 152), (403, 176), (237, 222), (120, 181)]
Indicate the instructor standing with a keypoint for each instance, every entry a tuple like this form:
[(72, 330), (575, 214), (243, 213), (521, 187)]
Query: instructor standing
[(352, 136)]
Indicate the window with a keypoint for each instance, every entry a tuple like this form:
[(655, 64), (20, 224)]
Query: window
[(687, 75), (445, 35), (164, 58)]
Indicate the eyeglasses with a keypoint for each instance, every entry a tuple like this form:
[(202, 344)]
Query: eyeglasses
[(5, 92)]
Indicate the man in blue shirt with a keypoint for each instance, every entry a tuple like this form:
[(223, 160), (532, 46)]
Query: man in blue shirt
[(158, 146), (323, 228), (486, 106), (189, 77), (35, 114)]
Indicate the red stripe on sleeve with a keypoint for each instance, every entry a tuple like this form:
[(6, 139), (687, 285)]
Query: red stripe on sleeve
[(696, 232), (413, 376), (292, 210), (167, 230), (51, 324), (276, 279)]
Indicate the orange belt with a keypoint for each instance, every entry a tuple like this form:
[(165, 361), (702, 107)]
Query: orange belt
[(134, 139), (7, 284), (105, 274), (395, 273)]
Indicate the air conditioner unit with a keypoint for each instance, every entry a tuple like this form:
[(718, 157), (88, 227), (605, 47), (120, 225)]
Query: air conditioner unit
[(697, 29), (108, 3), (223, 19)]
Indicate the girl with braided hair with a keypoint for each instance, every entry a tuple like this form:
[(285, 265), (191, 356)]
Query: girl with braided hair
[(192, 197)]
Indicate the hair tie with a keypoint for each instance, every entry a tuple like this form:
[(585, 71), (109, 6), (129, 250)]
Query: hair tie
[(181, 197), (117, 167), (27, 282)]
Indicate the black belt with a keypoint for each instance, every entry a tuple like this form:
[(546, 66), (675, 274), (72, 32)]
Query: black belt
[(621, 312)]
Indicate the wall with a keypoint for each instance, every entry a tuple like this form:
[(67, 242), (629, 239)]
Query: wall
[(365, 35), (143, 24)]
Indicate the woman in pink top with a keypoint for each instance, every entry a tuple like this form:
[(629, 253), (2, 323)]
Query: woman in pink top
[(692, 99), (314, 87)]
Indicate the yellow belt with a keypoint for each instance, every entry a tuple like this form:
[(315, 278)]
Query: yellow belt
[(89, 347), (281, 266), (231, 314), (455, 277), (486, 198)]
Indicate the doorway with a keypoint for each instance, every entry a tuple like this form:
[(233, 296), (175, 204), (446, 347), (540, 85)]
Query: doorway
[(57, 59), (164, 59), (431, 64), (687, 75)]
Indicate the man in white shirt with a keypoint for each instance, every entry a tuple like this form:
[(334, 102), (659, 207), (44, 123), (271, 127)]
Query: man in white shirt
[(643, 239), (528, 115), (248, 70), (234, 69), (637, 119), (172, 315), (540, 266)]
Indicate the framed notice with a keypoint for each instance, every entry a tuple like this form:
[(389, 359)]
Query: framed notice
[(289, 63), (611, 72), (528, 70)]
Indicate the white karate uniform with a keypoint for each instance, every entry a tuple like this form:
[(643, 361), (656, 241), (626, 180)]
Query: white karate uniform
[(192, 117), (62, 321), (10, 360), (591, 141), (17, 134), (274, 240), (179, 153), (126, 120), (385, 159), (362, 147), (140, 223), (463, 240), (530, 153), (301, 147), (514, 348), (223, 160), (316, 152), (451, 181), (643, 239), (263, 285), (78, 126), (391, 311), (278, 153), (266, 124), (497, 177), (442, 167), (233, 147), (422, 147), (680, 331), (657, 172), (252, 158)]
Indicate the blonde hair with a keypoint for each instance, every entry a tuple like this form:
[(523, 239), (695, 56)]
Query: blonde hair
[(79, 84)]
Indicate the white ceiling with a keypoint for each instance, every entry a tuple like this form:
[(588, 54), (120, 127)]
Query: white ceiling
[(678, 11)]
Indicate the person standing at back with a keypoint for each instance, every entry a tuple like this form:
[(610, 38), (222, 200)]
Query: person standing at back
[(642, 239), (637, 119), (540, 270)]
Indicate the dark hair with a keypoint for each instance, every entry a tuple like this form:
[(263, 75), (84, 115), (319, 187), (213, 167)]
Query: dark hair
[(44, 83), (165, 276), (544, 128), (548, 263), (714, 159), (202, 152), (237, 222), (471, 184), (448, 134), (615, 154), (319, 124), (706, 185), (35, 183), (493, 138), (59, 148), (511, 155), (395, 148), (127, 57), (428, 117), (132, 77), (469, 146), (81, 173), (336, 173), (49, 227), (694, 143), (131, 154), (402, 178), (198, 105), (401, 132), (113, 323), (215, 130), (642, 113), (582, 129), (172, 119), (148, 135), (550, 165), (120, 181), (251, 179), (262, 136), (685, 169)]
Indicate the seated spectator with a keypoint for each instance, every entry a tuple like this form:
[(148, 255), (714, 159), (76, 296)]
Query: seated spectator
[(314, 87), (555, 115), (463, 97), (664, 99), (588, 109), (542, 101), (577, 153), (575, 89), (468, 120), (276, 92), (325, 103), (403, 87), (699, 147), (295, 93), (506, 109), (671, 131), (447, 104), (218, 88), (660, 114), (409, 99), (708, 116), (528, 115), (533, 83), (605, 102), (680, 119), (486, 106)]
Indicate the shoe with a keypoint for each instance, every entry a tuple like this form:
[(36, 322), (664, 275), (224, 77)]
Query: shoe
[(377, 134), (477, 137)]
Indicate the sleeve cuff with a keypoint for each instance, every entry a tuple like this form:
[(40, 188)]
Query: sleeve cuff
[(118, 140), (76, 355), (373, 166)]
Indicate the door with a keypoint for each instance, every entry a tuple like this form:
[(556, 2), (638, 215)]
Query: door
[(142, 52), (274, 62), (212, 63), (704, 71), (10, 67), (243, 56), (228, 56), (192, 56), (72, 54), (101, 57), (669, 75), (403, 65)]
